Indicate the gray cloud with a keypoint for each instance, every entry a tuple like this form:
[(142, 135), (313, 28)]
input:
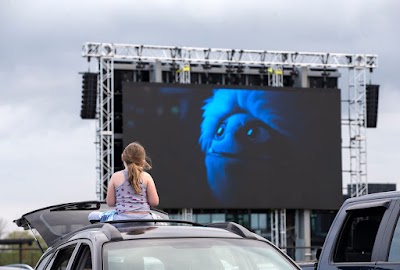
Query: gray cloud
[(47, 151)]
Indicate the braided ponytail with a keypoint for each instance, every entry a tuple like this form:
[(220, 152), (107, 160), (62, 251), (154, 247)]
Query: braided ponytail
[(134, 172), (136, 161)]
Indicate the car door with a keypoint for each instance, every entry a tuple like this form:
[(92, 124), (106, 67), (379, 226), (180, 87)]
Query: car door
[(71, 256), (353, 241), (389, 256), (82, 260), (62, 258)]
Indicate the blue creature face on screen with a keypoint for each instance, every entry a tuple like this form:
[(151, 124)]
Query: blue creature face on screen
[(244, 134)]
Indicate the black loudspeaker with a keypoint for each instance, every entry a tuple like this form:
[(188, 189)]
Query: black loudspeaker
[(118, 149), (89, 95), (372, 96)]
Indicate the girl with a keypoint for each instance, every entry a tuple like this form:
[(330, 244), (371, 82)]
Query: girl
[(132, 191)]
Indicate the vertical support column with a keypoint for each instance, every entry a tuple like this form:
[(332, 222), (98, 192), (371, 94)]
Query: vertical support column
[(106, 124), (303, 235), (99, 184), (275, 76), (187, 214), (302, 217), (183, 73), (274, 227), (307, 234), (278, 216), (183, 76), (156, 72), (357, 132), (278, 228), (282, 229)]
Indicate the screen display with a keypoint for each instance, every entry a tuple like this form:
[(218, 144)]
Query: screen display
[(244, 147)]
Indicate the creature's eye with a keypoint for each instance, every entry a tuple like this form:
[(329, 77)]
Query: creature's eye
[(220, 131), (256, 132)]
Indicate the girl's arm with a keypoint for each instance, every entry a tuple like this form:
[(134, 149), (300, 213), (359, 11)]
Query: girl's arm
[(152, 195), (110, 199)]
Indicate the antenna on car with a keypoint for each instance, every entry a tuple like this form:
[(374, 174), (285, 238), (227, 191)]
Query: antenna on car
[(34, 236)]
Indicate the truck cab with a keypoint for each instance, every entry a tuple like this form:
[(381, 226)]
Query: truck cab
[(365, 234)]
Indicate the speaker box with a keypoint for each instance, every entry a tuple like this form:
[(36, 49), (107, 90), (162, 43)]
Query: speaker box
[(89, 95), (372, 96)]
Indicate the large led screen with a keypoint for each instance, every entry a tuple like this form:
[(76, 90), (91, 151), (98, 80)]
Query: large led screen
[(238, 147)]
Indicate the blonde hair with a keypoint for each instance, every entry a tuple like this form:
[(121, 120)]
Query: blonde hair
[(134, 155)]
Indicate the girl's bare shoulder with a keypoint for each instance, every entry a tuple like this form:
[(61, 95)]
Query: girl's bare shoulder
[(145, 176), (119, 174), (118, 177)]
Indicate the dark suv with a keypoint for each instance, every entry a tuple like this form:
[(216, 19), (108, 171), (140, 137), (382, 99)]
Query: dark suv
[(159, 244)]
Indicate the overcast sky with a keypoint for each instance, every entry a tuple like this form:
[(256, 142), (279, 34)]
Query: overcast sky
[(47, 153)]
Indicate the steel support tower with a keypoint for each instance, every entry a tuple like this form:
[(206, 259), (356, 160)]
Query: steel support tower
[(355, 65), (357, 132)]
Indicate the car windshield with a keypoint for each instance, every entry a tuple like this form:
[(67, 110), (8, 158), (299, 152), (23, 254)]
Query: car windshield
[(193, 254)]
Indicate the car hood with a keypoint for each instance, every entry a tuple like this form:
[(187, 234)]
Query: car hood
[(56, 221)]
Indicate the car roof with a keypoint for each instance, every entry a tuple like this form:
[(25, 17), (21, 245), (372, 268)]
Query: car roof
[(173, 231), (375, 196), (56, 221), (166, 229)]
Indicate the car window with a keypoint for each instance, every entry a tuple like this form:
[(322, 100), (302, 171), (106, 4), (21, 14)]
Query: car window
[(61, 260), (357, 237), (42, 263), (194, 254), (394, 252), (83, 259)]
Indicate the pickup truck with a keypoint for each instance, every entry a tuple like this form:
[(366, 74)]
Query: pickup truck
[(365, 234)]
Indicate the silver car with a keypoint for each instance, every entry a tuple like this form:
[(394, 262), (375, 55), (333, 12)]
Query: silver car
[(156, 244)]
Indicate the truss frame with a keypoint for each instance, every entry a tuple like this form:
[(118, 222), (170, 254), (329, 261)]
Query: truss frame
[(184, 57), (227, 56), (357, 132), (105, 132)]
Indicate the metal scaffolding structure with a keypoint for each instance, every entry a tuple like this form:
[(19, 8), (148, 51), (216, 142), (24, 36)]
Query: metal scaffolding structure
[(184, 58), (193, 55), (357, 132), (278, 216), (105, 132), (278, 228)]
